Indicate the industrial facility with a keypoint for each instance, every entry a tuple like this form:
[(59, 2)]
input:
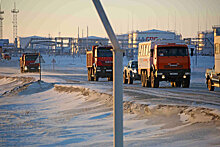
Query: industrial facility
[(203, 44), (206, 43)]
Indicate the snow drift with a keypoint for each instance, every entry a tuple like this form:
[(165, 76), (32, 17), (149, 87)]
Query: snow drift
[(187, 114)]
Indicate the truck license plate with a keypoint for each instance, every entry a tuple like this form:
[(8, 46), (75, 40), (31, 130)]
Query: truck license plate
[(173, 74)]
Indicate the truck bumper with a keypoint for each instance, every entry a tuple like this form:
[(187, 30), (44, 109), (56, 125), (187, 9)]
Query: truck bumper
[(32, 69), (136, 76), (173, 75), (104, 72)]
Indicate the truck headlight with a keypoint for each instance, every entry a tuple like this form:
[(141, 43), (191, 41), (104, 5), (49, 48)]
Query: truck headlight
[(184, 76), (163, 76), (135, 70), (38, 67), (25, 68)]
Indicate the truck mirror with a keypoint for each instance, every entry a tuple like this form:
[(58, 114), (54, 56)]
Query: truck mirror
[(192, 49), (151, 52)]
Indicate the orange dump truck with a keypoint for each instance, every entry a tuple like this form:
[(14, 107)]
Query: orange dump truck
[(28, 62), (164, 60), (6, 56), (100, 63)]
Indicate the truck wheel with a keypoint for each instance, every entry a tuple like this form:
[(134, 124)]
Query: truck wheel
[(210, 87), (89, 75), (177, 84), (110, 79), (154, 81), (147, 80), (96, 78), (186, 83), (172, 84), (125, 81), (130, 80), (143, 79)]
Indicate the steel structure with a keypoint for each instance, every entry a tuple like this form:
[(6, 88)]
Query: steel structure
[(1, 23), (15, 27)]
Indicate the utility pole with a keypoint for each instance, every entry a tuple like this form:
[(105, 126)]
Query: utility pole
[(1, 23), (87, 38), (78, 42), (117, 77), (15, 27)]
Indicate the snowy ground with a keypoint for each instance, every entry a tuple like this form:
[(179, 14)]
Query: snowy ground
[(66, 109)]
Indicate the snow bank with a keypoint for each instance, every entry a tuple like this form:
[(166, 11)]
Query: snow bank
[(13, 85), (185, 113)]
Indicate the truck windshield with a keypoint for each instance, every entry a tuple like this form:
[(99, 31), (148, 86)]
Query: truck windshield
[(104, 53), (172, 51), (31, 57), (134, 64)]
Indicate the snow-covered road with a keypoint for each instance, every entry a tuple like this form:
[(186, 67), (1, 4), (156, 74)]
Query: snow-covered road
[(67, 110)]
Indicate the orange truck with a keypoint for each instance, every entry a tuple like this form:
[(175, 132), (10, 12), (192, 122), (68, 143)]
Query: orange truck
[(27, 62), (164, 60), (100, 63), (6, 56)]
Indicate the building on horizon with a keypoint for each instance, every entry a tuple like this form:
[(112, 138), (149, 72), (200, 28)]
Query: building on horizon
[(136, 37), (206, 43), (86, 43)]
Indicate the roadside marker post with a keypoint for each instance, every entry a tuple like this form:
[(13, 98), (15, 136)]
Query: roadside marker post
[(39, 60), (117, 77), (53, 61)]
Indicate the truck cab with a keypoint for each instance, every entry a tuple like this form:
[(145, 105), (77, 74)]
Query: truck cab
[(100, 63), (130, 72), (27, 62), (166, 60), (6, 56)]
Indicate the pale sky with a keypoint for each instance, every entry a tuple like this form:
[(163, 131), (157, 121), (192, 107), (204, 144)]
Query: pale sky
[(43, 17)]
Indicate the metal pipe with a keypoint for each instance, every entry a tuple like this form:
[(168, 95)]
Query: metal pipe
[(117, 77)]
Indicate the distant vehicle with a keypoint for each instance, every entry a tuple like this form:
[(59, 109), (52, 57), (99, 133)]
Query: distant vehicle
[(6, 56), (213, 75), (130, 72), (164, 60), (27, 62), (100, 63)]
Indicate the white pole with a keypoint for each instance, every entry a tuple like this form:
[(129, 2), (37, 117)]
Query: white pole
[(40, 65), (117, 77)]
